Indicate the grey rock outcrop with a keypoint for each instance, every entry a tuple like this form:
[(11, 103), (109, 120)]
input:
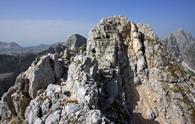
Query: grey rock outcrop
[(70, 101), (12, 65), (43, 71), (124, 75)]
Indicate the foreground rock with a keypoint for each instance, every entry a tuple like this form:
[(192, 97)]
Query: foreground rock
[(43, 71), (124, 75)]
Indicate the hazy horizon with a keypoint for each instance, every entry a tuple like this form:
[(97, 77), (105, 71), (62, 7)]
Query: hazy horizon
[(36, 22)]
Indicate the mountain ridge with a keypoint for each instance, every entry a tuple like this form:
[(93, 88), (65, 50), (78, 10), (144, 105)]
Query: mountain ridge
[(14, 48), (122, 74)]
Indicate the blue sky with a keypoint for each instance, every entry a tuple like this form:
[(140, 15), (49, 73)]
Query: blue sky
[(32, 22)]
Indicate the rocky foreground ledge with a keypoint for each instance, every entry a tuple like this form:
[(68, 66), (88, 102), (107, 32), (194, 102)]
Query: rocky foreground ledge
[(122, 75)]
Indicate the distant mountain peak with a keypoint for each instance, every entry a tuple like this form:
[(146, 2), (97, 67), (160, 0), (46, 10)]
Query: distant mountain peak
[(181, 45), (180, 30), (9, 46), (181, 33), (75, 41)]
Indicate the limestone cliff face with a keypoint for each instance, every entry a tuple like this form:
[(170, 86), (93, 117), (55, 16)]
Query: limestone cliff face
[(123, 75)]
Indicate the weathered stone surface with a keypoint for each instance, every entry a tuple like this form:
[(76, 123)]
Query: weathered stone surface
[(75, 97), (43, 71)]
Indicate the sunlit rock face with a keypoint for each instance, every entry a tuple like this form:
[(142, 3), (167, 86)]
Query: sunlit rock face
[(122, 75)]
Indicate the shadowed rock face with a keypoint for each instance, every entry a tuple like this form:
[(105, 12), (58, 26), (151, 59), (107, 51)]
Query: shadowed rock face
[(123, 75), (10, 67), (182, 46), (17, 63), (6, 81)]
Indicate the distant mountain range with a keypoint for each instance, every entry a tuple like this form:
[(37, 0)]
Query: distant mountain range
[(14, 48), (181, 45), (4, 45)]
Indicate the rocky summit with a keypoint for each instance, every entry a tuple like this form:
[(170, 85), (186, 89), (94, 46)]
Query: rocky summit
[(122, 75)]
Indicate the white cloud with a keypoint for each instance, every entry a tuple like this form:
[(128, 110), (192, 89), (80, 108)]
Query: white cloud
[(33, 32)]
